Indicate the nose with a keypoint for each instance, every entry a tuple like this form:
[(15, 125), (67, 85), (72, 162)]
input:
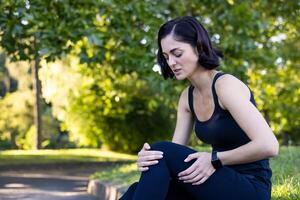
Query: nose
[(171, 62)]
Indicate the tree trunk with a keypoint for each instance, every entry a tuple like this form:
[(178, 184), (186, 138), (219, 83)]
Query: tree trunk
[(37, 103), (13, 134), (285, 138)]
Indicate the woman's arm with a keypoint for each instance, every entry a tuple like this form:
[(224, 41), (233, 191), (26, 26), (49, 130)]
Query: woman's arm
[(148, 157), (184, 122), (263, 144)]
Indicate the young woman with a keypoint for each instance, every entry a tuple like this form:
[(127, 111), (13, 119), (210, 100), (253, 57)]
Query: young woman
[(224, 113)]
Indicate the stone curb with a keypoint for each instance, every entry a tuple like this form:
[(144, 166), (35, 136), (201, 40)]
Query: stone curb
[(105, 190)]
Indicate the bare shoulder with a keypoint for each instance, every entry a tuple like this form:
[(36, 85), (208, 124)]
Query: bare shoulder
[(229, 87), (184, 99), (185, 92)]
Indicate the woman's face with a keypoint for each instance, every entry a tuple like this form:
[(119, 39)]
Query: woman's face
[(180, 56)]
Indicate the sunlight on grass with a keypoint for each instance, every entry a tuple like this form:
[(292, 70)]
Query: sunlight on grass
[(121, 175), (286, 174), (287, 188), (14, 157), (75, 152)]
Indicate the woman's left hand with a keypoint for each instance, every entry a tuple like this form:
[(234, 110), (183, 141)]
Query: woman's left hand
[(199, 171)]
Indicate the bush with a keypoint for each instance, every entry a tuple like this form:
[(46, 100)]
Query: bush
[(118, 111)]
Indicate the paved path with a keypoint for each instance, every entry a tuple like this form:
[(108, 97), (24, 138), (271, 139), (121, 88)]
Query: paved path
[(47, 184)]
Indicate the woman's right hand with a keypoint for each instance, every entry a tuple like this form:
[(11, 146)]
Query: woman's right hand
[(147, 157)]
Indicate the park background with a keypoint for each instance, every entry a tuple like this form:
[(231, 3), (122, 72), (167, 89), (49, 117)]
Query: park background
[(83, 74)]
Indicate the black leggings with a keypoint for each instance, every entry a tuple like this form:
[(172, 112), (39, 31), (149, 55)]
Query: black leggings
[(160, 182)]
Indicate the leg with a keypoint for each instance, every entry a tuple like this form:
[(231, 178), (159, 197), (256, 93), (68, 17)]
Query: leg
[(174, 192), (130, 192), (154, 183), (225, 183)]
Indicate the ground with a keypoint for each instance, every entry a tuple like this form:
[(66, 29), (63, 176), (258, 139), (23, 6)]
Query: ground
[(47, 183)]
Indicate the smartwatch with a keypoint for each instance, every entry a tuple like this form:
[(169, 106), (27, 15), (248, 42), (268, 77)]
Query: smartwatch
[(215, 161)]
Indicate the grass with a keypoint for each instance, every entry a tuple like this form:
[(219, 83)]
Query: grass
[(29, 157), (286, 166), (286, 174)]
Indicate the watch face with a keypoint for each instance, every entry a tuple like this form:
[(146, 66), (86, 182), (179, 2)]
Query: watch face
[(215, 161), (214, 156)]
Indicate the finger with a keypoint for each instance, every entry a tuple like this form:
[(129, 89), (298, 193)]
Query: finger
[(190, 176), (142, 169), (191, 157), (150, 152), (146, 146), (205, 177), (196, 178), (201, 180), (148, 163), (151, 157), (188, 170)]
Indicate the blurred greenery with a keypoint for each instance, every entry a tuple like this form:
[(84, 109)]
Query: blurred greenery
[(100, 82), (285, 179)]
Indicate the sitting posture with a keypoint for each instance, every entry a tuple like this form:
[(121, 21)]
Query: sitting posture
[(223, 112)]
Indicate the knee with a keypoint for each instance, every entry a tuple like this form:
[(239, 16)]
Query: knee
[(163, 146), (130, 192), (132, 187)]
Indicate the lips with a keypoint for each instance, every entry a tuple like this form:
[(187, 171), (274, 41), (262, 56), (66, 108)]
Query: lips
[(176, 71)]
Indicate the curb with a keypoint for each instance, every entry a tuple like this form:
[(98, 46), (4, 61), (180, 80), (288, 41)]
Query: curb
[(105, 190)]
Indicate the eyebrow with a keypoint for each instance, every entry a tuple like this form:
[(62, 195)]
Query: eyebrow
[(172, 50)]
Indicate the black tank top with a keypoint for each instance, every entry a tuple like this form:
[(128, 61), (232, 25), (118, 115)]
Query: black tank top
[(223, 133)]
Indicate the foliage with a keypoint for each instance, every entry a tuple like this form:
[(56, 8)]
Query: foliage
[(279, 98), (7, 82), (16, 116), (31, 30), (43, 28), (100, 105), (254, 35), (16, 120), (260, 40)]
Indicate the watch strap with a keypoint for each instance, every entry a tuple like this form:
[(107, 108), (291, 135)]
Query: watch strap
[(215, 161)]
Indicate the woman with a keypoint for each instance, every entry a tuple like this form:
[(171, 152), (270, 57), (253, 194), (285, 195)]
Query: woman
[(224, 113)]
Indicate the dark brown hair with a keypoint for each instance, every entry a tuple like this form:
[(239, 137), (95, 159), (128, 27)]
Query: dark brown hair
[(188, 29)]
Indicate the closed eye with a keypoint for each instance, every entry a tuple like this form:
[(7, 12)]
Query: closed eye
[(177, 55)]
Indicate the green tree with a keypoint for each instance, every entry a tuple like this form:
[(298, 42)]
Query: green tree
[(100, 106), (254, 35), (31, 30)]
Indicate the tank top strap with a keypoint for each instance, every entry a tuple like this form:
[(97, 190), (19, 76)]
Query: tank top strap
[(190, 99), (215, 96)]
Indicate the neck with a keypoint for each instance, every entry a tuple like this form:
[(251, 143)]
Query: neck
[(202, 79)]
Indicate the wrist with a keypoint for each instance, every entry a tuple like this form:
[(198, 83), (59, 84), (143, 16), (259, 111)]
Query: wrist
[(215, 161)]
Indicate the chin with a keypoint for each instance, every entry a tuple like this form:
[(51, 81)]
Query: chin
[(180, 78)]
